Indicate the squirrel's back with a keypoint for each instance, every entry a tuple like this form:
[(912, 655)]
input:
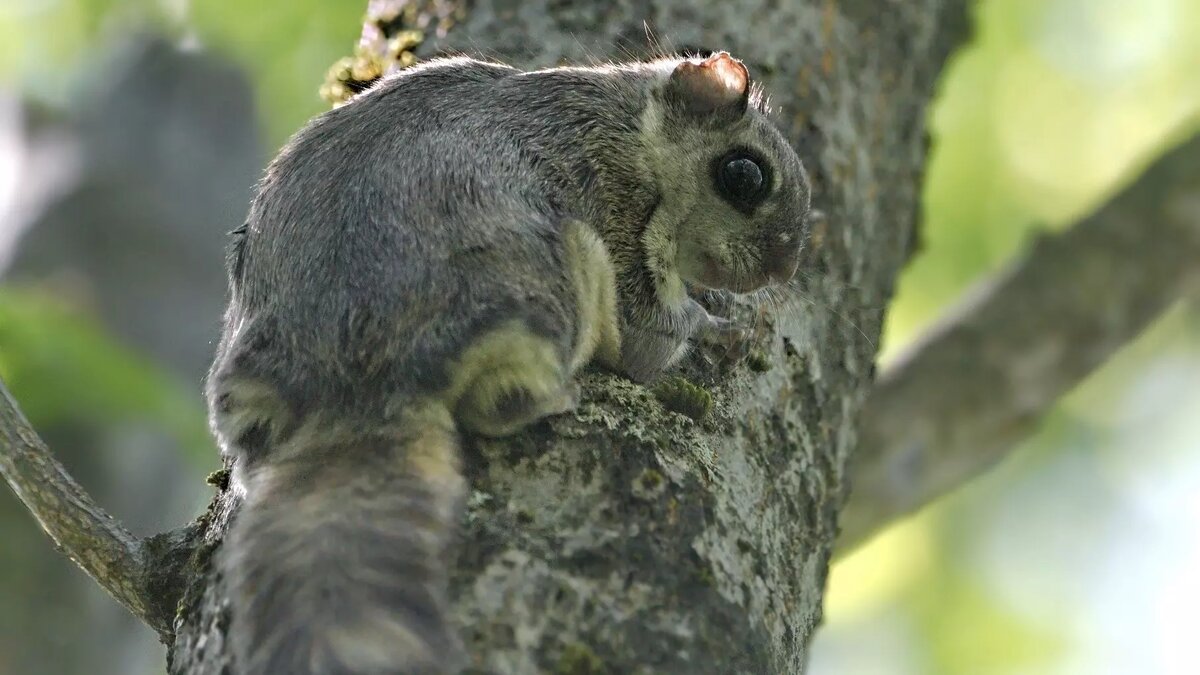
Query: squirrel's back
[(369, 209), (409, 267)]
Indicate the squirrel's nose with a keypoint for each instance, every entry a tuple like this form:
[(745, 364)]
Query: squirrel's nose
[(780, 260), (781, 270)]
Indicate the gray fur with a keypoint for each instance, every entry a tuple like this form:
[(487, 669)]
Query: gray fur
[(388, 236)]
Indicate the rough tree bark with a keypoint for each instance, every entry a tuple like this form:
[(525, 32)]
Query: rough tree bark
[(627, 537)]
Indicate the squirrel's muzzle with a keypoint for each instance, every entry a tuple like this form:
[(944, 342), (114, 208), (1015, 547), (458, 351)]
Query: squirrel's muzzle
[(780, 260)]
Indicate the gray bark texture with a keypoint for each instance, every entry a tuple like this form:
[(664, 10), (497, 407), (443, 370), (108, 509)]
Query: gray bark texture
[(628, 538)]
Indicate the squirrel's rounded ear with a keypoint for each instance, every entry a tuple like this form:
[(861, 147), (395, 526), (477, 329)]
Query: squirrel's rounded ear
[(718, 85)]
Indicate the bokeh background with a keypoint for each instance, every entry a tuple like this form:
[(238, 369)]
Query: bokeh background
[(125, 157)]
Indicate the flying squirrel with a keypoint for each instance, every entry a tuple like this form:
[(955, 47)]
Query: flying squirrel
[(440, 257)]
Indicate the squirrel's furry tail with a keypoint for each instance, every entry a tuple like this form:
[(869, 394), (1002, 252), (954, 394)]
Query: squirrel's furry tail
[(337, 560)]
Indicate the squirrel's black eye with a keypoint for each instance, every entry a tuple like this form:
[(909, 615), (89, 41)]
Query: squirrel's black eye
[(741, 179)]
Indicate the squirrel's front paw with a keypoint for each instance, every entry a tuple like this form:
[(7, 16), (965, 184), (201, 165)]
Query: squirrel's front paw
[(721, 328), (726, 342)]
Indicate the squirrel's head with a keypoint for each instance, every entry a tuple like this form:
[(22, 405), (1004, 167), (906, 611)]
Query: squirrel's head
[(731, 185)]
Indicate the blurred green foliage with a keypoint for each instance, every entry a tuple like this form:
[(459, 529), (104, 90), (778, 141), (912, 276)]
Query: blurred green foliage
[(63, 368), (1057, 104), (287, 48), (45, 45)]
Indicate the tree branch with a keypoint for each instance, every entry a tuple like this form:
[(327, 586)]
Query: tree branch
[(979, 382), (112, 556)]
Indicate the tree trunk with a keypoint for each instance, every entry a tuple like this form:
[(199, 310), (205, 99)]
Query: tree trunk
[(627, 538)]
